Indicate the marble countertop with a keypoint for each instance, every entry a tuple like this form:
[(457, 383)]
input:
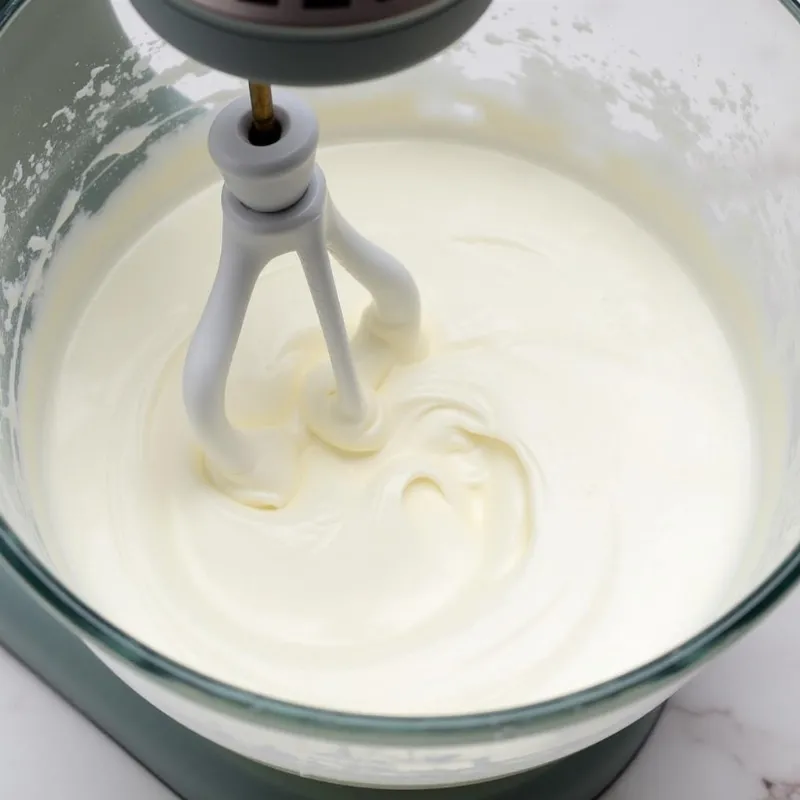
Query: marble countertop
[(733, 734)]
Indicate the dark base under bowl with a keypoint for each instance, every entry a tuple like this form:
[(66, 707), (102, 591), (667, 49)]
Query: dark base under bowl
[(198, 770)]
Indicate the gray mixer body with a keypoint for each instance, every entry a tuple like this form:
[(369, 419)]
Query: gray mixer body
[(311, 42)]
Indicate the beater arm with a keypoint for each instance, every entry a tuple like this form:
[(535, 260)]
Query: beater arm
[(275, 201)]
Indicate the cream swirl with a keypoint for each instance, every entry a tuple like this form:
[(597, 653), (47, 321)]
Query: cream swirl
[(563, 491)]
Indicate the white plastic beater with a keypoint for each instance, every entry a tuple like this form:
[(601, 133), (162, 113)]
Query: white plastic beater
[(275, 201)]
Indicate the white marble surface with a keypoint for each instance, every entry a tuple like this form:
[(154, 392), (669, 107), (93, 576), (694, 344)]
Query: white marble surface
[(49, 752), (733, 734)]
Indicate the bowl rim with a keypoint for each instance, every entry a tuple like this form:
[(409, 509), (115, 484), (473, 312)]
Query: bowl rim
[(536, 717)]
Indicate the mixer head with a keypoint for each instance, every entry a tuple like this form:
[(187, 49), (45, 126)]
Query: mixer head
[(310, 42)]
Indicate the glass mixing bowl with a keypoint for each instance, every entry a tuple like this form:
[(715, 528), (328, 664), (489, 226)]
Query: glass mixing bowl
[(687, 110)]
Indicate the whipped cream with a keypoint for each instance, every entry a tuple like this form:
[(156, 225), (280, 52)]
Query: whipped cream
[(564, 492)]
